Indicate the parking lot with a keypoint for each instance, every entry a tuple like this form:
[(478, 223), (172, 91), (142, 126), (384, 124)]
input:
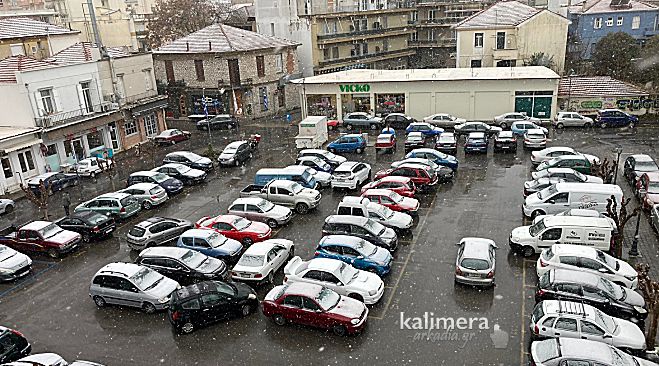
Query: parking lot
[(52, 307)]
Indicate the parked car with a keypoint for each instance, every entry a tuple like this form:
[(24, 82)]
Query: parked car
[(362, 227), (362, 206), (156, 231), (579, 163), (119, 206), (397, 120), (7, 205), (53, 182), (537, 185), (393, 201), (262, 260), (259, 209), (435, 156), (211, 243), (351, 175), (569, 351), (614, 118), (172, 136), (414, 140), (14, 345), (204, 303), (90, 225), (647, 188), (636, 165), (476, 262), (183, 173), (444, 174), (519, 128), (171, 185), (40, 237), (581, 212), (13, 265), (190, 159), (361, 120), (385, 142), (339, 276), (49, 359), (589, 260), (358, 252), (333, 124), (466, 128), (348, 143), (221, 121), (90, 167), (592, 289), (235, 227), (549, 153), (322, 179), (315, 162), (183, 265), (444, 120), (505, 141), (654, 218), (285, 193), (571, 119), (476, 142), (426, 129), (535, 139), (567, 174), (148, 195), (422, 176), (507, 119), (329, 157), (446, 143), (404, 186), (132, 285), (236, 153), (325, 308)]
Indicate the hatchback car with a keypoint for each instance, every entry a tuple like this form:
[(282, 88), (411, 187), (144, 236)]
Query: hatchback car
[(569, 351), (421, 175), (446, 143), (571, 119), (469, 127), (183, 265), (393, 200), (577, 162), (221, 121), (119, 206), (358, 252), (259, 209), (262, 260), (476, 262), (414, 140), (235, 227), (90, 225), (476, 142), (615, 118), (53, 182), (148, 195), (505, 141), (14, 345), (156, 231), (184, 173), (211, 243), (315, 162), (330, 158), (190, 159), (361, 227), (435, 156), (171, 185), (520, 128), (398, 120), (132, 285), (636, 165), (348, 143), (444, 120), (425, 128), (90, 167), (204, 303), (535, 139), (549, 153), (7, 205), (567, 174), (385, 142), (404, 186), (13, 265), (236, 153), (537, 185), (351, 175), (171, 136)]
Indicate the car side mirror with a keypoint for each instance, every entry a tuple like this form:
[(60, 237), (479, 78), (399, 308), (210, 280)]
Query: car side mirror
[(360, 257), (603, 270), (291, 194)]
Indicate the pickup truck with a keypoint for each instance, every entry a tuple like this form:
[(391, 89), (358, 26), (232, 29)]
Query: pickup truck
[(41, 237), (285, 193)]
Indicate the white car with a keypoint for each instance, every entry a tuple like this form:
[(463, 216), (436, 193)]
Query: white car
[(567, 174), (581, 352), (90, 167), (13, 264), (549, 153), (554, 318), (571, 119), (535, 138), (351, 175), (48, 359), (389, 217), (581, 212), (586, 259), (476, 262), (507, 119), (7, 205), (261, 260), (444, 120), (324, 179), (338, 276), (329, 157)]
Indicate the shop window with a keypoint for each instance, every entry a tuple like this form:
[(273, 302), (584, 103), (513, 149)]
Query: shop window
[(169, 70), (199, 69), (151, 125), (389, 103), (95, 140), (26, 161), (478, 39), (130, 128), (263, 98), (321, 105), (260, 66), (281, 97), (6, 167)]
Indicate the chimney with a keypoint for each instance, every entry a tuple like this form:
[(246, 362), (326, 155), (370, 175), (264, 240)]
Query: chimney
[(210, 47), (187, 46)]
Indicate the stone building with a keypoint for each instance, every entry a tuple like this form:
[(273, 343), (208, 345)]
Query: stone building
[(227, 70)]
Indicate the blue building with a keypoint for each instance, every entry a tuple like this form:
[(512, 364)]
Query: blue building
[(594, 19)]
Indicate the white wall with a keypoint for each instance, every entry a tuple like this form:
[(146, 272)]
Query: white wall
[(15, 107), (60, 42)]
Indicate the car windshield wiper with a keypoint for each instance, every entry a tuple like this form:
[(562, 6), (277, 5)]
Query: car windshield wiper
[(153, 284)]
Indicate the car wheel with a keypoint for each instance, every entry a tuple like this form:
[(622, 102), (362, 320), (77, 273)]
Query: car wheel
[(245, 310), (248, 241), (357, 297), (339, 330), (279, 319), (291, 253), (349, 127), (270, 278), (99, 301), (503, 125), (53, 253), (187, 328), (528, 251), (373, 127), (587, 125), (302, 208), (86, 238), (147, 205), (603, 125), (358, 150), (272, 223), (536, 213), (9, 209), (559, 125), (332, 150), (148, 308), (92, 175)]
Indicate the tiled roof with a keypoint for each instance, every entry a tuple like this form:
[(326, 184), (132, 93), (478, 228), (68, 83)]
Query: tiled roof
[(603, 6), (10, 65), (82, 52), (26, 27), (501, 14), (219, 38), (596, 86)]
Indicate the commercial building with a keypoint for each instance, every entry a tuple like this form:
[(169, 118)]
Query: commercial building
[(471, 93), (20, 157), (29, 37), (588, 94)]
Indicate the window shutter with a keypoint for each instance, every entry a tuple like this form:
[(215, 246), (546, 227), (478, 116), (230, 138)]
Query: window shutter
[(56, 101), (41, 111), (81, 99)]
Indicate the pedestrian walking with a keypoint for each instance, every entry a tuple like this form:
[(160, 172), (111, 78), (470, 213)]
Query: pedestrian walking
[(66, 202)]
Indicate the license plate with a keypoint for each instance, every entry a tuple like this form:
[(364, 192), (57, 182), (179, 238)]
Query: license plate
[(107, 231), (474, 275)]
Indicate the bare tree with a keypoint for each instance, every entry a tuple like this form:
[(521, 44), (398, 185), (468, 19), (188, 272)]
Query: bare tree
[(650, 291), (620, 218), (40, 198), (605, 170), (108, 167)]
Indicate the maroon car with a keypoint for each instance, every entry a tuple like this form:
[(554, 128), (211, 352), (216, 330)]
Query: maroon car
[(171, 136), (316, 306), (41, 236), (385, 142), (421, 175)]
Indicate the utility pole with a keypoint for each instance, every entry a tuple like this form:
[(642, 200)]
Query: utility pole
[(97, 34)]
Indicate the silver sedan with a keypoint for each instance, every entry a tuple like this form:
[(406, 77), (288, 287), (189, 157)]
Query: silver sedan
[(259, 209)]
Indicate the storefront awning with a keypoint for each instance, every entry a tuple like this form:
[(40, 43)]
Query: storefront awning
[(23, 145)]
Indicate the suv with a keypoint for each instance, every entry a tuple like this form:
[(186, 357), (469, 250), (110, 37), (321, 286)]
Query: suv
[(147, 194), (348, 143), (190, 159), (397, 120), (614, 118), (131, 285), (351, 175), (361, 120), (571, 119), (183, 173), (156, 231), (236, 153), (183, 265), (171, 185), (222, 121), (362, 227), (14, 345), (116, 205)]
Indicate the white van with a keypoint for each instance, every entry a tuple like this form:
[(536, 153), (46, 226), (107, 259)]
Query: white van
[(564, 196), (594, 232)]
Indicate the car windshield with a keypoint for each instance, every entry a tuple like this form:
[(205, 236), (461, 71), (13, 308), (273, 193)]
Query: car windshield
[(374, 227), (83, 164), (50, 231), (619, 358), (96, 219), (193, 259), (653, 187), (579, 175), (229, 150), (605, 321), (251, 260), (475, 264), (414, 138), (383, 211), (146, 279), (366, 248), (537, 228), (610, 261), (547, 192), (137, 231), (297, 188), (327, 299), (216, 240), (348, 273), (546, 350), (645, 166), (183, 169), (241, 223), (160, 177), (395, 197), (265, 205), (383, 138), (612, 289)]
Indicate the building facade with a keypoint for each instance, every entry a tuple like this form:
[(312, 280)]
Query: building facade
[(508, 34), (29, 37), (20, 156), (588, 94)]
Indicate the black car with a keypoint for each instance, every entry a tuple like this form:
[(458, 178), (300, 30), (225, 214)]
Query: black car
[(169, 184), (222, 121), (184, 173), (397, 120), (190, 159), (183, 265), (207, 302), (469, 127), (53, 181), (615, 300), (505, 141), (636, 165), (13, 345), (236, 153), (89, 224)]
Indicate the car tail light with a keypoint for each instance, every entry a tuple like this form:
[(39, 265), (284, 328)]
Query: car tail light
[(176, 315), (458, 271), (316, 253), (18, 333), (234, 273), (543, 263), (96, 229), (285, 278), (154, 197), (490, 274), (123, 209), (536, 330), (258, 275), (540, 293)]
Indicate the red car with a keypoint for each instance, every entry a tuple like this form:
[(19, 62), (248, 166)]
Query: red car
[(236, 227), (393, 200), (316, 306), (171, 136), (333, 124), (647, 188), (401, 185), (421, 175), (385, 142)]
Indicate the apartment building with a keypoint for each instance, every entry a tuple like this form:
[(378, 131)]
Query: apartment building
[(29, 37)]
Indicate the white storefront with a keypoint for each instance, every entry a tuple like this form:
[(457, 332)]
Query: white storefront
[(475, 94), (20, 157)]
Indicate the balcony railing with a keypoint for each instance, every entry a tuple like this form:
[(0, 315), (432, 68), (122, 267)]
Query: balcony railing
[(365, 57), (322, 37), (354, 8), (448, 42), (76, 115), (130, 99), (439, 21)]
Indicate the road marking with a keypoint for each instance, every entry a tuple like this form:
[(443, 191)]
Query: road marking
[(522, 320), (18, 286)]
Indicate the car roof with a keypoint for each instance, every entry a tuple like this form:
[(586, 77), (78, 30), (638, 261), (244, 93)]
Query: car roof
[(198, 233), (303, 288), (388, 136), (195, 289), (150, 221), (359, 220), (561, 275), (416, 134), (247, 200), (589, 187), (419, 123), (362, 113), (583, 348), (580, 221), (642, 157), (555, 148), (560, 170), (579, 250), (262, 247), (236, 144), (379, 192), (187, 154), (396, 114), (447, 135), (169, 130), (36, 225), (85, 214), (476, 135), (568, 307), (115, 195), (310, 158), (328, 264), (347, 165), (610, 110), (145, 186), (506, 133), (314, 151), (341, 239), (296, 169), (225, 218), (535, 131), (147, 173), (352, 135), (161, 251), (45, 175), (413, 165), (425, 150), (476, 247), (126, 269), (396, 178), (355, 200)]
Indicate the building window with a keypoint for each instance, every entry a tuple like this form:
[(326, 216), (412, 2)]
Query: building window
[(51, 150), (130, 128), (95, 140), (26, 161), (636, 22), (330, 27), (501, 40), (281, 96), (272, 29), (260, 66), (147, 80), (475, 63), (121, 90), (598, 23), (199, 70), (478, 39), (619, 23), (169, 70), (234, 72), (364, 48), (47, 101), (385, 45), (335, 52), (86, 97), (414, 37), (279, 62), (414, 17), (609, 22), (6, 167), (263, 98), (432, 14), (431, 35), (151, 125)]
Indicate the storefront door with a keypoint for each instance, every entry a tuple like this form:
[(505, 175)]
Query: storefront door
[(114, 136)]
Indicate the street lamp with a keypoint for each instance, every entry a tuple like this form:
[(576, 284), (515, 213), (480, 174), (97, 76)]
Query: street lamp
[(618, 151), (569, 90), (633, 252)]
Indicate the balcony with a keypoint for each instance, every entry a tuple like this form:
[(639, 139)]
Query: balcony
[(370, 57), (449, 42), (505, 54), (361, 34), (355, 9), (133, 99), (439, 22), (76, 115)]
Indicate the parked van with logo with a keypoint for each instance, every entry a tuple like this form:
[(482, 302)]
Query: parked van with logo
[(564, 196), (299, 174), (595, 232)]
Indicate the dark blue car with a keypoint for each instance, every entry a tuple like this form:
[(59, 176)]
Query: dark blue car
[(476, 142), (211, 243), (355, 251), (425, 128), (348, 143), (614, 118), (435, 156), (53, 181), (169, 184)]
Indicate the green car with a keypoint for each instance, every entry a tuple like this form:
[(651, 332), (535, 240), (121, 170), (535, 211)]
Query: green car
[(579, 163), (117, 205)]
